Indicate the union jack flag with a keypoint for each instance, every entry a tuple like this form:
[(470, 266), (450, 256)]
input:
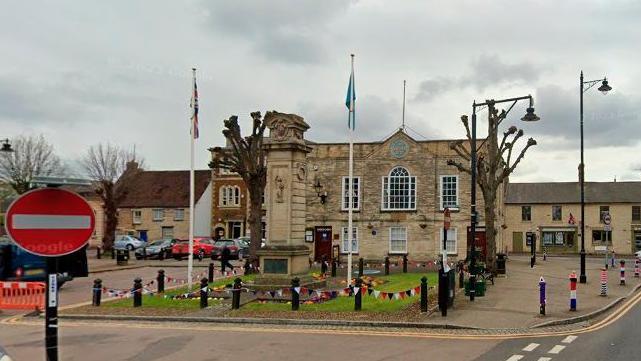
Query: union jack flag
[(194, 107)]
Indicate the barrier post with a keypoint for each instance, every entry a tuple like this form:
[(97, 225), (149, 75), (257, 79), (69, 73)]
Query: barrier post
[(204, 292), (97, 292), (211, 271), (404, 263), (295, 294), (137, 292), (622, 263), (161, 281), (573, 291), (358, 293), (333, 268), (98, 253), (542, 298), (235, 295), (636, 268), (360, 267), (424, 294), (386, 266), (604, 282)]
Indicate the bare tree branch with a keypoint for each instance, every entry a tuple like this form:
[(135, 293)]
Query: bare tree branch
[(32, 157)]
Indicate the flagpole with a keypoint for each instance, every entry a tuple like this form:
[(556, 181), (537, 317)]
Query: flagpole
[(192, 135), (351, 177)]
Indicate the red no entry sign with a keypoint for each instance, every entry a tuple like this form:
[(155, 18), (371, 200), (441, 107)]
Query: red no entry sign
[(50, 222)]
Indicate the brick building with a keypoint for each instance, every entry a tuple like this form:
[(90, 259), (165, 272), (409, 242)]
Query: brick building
[(157, 205)]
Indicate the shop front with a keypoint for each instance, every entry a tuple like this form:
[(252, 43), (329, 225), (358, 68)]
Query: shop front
[(559, 239)]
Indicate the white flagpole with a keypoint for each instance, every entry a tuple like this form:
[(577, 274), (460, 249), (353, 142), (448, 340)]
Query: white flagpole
[(190, 257), (351, 177)]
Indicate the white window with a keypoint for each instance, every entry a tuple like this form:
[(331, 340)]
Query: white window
[(159, 214), (449, 192), (451, 246), (179, 214), (345, 248), (399, 190), (229, 196), (398, 240), (136, 216), (356, 194)]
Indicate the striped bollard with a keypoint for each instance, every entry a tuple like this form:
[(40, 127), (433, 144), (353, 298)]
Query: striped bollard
[(622, 283), (636, 268), (604, 282), (542, 296), (573, 291)]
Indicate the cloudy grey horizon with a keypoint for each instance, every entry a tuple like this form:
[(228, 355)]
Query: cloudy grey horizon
[(86, 72)]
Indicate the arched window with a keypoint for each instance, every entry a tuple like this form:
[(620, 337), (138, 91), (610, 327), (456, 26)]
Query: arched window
[(399, 190), (229, 196)]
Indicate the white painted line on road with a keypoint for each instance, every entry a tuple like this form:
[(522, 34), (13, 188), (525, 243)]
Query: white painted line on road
[(569, 339), (530, 347), (515, 358), (545, 358), (556, 349)]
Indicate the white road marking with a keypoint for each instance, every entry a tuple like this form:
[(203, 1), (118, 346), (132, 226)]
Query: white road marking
[(569, 339), (530, 347), (545, 358), (515, 358), (556, 349), (48, 221)]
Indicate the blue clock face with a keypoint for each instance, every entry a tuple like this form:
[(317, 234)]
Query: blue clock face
[(399, 148)]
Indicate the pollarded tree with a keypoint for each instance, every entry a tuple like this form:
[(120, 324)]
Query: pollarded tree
[(246, 156), (32, 157), (495, 164)]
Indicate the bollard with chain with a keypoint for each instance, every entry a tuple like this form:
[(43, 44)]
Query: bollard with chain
[(545, 255), (204, 292), (404, 263), (98, 253), (636, 268), (160, 279), (333, 268), (295, 294), (211, 271), (358, 293), (542, 298), (386, 266), (97, 292), (604, 282), (424, 289), (137, 292), (360, 267), (622, 263), (572, 291), (613, 259), (235, 294)]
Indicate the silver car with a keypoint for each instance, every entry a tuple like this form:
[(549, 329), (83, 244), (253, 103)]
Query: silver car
[(128, 242), (3, 355)]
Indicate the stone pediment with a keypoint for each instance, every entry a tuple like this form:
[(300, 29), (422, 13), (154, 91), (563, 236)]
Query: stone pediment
[(398, 146), (285, 128)]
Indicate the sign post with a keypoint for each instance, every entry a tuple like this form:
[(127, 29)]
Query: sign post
[(50, 222), (607, 228)]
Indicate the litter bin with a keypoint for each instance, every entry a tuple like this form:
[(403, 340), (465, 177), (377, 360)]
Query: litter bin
[(122, 257), (500, 263), (480, 287)]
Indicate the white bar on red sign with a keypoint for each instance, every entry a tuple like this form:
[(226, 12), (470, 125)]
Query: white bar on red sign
[(44, 221)]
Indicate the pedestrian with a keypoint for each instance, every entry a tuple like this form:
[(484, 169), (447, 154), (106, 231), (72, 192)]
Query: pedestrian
[(324, 265), (225, 255)]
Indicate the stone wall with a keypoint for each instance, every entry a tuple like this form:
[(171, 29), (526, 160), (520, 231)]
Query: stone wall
[(154, 228)]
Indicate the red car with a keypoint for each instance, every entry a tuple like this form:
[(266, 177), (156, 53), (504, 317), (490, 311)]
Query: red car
[(203, 246)]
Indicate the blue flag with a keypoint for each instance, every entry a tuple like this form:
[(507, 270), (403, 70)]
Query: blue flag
[(350, 101)]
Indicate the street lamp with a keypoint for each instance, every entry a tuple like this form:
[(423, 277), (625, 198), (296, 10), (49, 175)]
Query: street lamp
[(528, 117), (6, 146), (585, 86)]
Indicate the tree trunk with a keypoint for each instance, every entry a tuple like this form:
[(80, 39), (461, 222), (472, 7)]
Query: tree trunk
[(255, 219), (111, 215), (490, 228)]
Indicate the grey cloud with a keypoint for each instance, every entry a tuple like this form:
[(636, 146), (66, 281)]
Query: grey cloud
[(284, 31)]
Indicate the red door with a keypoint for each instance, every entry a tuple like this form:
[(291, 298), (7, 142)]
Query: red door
[(322, 243)]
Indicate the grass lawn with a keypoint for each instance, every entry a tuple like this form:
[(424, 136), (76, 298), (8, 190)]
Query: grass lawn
[(156, 301), (394, 283)]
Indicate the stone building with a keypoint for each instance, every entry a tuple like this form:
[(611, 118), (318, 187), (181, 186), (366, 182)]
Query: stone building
[(553, 212), (156, 205), (402, 186), (89, 194)]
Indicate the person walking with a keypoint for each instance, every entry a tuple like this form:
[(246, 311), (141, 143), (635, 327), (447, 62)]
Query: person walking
[(225, 255)]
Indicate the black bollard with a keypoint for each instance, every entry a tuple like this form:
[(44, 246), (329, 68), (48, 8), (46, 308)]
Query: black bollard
[(204, 292), (113, 253), (461, 278), (98, 253), (161, 254), (404, 263), (161, 281), (472, 282), (137, 292), (424, 294), (333, 268), (360, 267), (386, 266), (295, 294), (235, 295), (358, 296), (97, 292), (144, 252), (211, 271)]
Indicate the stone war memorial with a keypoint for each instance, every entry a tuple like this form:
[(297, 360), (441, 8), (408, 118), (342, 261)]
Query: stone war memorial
[(285, 255)]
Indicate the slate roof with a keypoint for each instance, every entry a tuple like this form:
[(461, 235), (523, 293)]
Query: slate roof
[(167, 189), (570, 192)]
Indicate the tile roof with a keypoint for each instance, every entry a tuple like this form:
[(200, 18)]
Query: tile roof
[(164, 188), (570, 192)]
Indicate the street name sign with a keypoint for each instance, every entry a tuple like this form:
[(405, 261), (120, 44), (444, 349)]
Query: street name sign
[(50, 222)]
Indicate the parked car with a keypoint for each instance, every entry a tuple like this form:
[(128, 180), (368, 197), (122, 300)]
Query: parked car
[(234, 245), (638, 254), (4, 356), (202, 246), (244, 246), (128, 242), (160, 248)]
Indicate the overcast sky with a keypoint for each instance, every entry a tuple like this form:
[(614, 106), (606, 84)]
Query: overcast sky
[(83, 72)]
